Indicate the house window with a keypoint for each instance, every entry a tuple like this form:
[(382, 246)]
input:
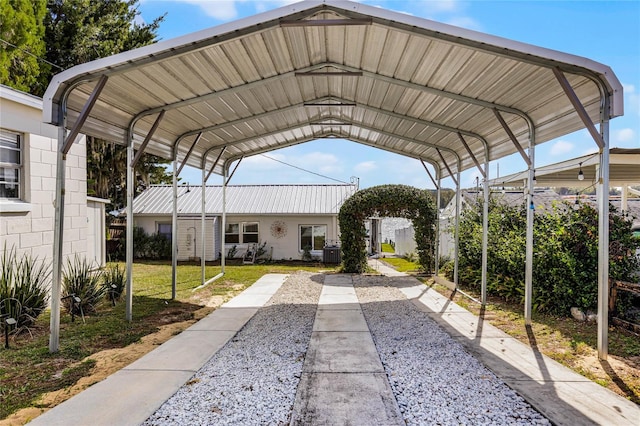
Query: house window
[(313, 236), (10, 164), (232, 233), (164, 229), (250, 232), (241, 233)]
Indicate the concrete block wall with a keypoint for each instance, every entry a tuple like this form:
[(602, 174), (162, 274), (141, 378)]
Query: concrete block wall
[(27, 224)]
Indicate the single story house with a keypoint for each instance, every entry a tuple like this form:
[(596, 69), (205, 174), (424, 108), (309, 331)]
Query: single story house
[(285, 218), (28, 154)]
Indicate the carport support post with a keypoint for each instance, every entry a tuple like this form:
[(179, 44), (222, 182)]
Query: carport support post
[(203, 235), (224, 217), (129, 229), (174, 229), (437, 251), (528, 276), (457, 228), (485, 234), (58, 232), (603, 238)]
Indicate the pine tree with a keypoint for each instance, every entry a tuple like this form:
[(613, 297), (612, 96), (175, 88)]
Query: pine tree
[(22, 42)]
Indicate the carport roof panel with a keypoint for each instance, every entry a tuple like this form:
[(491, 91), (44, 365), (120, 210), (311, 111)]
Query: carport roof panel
[(405, 84)]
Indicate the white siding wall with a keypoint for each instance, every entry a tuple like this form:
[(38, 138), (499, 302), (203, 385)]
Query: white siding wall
[(28, 224), (186, 235), (286, 247), (96, 241)]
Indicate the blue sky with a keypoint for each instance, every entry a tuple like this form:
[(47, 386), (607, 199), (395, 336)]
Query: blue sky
[(607, 32)]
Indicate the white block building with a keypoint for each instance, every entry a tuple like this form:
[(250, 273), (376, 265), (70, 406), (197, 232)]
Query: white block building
[(28, 181)]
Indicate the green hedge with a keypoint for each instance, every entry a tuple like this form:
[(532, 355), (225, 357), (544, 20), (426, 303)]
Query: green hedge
[(386, 201), (565, 263)]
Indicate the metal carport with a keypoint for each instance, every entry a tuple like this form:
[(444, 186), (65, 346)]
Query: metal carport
[(448, 96)]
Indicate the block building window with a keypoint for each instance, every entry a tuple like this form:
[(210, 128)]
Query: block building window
[(10, 164)]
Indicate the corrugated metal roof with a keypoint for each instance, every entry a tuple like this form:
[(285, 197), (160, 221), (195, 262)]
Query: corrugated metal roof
[(245, 199), (334, 69)]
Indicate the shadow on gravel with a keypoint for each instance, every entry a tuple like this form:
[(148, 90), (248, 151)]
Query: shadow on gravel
[(538, 389)]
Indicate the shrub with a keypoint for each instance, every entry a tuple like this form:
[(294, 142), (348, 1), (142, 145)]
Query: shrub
[(565, 262), (386, 201), (25, 279), (113, 282), (79, 279)]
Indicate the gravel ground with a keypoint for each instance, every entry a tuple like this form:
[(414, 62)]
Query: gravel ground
[(252, 380), (435, 380)]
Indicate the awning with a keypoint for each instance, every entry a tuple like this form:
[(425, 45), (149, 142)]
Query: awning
[(624, 169)]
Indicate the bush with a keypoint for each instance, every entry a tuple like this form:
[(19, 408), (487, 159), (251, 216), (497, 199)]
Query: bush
[(386, 201), (113, 282), (79, 279), (26, 280), (149, 247), (565, 262)]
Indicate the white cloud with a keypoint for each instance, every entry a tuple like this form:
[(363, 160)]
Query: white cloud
[(223, 10), (320, 162), (561, 147), (365, 167), (465, 22), (267, 162), (624, 135), (631, 99), (590, 151)]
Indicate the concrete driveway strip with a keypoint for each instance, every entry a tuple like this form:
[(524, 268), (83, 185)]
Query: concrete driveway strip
[(131, 395), (343, 381)]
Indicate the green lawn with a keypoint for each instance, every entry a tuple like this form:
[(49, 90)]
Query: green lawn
[(388, 248), (21, 384), (401, 264)]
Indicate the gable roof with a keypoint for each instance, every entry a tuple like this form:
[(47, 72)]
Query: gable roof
[(245, 199), (325, 68)]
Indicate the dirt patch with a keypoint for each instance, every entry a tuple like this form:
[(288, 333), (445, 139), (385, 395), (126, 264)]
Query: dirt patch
[(109, 361)]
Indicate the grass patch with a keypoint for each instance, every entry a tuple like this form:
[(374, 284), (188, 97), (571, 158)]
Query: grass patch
[(388, 248), (401, 264), (28, 370)]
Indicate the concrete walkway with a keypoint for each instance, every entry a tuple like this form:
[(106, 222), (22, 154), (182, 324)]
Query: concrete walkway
[(134, 393), (560, 394), (343, 381)]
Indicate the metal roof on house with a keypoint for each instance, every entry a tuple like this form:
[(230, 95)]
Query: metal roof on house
[(317, 199), (325, 68)]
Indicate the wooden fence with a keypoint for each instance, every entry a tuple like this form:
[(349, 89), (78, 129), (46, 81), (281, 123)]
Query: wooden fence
[(614, 288)]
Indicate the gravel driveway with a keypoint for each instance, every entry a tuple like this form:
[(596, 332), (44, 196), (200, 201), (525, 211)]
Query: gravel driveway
[(253, 379)]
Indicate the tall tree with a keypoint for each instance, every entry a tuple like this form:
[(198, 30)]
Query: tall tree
[(22, 43), (79, 31)]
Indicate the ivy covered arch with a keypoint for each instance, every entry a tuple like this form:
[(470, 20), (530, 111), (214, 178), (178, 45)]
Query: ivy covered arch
[(386, 201)]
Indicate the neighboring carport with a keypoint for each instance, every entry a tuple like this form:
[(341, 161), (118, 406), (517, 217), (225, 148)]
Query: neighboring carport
[(582, 172), (450, 97)]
